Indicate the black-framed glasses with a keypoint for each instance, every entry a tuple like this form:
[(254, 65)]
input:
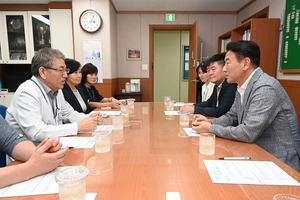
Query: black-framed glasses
[(67, 70)]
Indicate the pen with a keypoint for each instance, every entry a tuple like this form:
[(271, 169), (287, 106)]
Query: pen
[(235, 158), (71, 147)]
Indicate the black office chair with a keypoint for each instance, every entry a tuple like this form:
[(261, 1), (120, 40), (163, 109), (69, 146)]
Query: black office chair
[(2, 154)]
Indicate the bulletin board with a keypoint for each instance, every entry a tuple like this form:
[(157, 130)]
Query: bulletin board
[(290, 62), (186, 62)]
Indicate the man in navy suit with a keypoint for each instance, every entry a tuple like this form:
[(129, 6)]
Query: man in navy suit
[(223, 95)]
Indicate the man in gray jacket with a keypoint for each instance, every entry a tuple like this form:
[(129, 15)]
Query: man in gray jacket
[(262, 112)]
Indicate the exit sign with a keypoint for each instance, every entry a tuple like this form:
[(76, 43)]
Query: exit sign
[(170, 17)]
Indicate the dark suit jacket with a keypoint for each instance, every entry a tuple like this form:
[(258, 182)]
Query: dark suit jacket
[(73, 101), (226, 99)]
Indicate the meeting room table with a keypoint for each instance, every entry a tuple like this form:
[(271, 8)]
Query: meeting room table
[(154, 156)]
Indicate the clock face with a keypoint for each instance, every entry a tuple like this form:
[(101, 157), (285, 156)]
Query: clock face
[(90, 21)]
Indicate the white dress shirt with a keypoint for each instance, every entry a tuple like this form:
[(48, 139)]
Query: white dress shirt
[(207, 90), (32, 113), (241, 89)]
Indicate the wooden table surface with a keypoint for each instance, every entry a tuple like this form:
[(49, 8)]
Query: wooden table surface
[(156, 157)]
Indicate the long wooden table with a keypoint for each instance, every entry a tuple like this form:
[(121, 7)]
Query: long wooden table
[(156, 157)]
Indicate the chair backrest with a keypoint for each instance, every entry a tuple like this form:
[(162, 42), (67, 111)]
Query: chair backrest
[(3, 110), (2, 154)]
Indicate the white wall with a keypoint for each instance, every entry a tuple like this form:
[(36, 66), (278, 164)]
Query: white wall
[(61, 31), (107, 33), (121, 31), (133, 32)]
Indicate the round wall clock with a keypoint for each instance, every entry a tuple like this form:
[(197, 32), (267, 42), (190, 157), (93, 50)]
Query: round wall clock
[(90, 21)]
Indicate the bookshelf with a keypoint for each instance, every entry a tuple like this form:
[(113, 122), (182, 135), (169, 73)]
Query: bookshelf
[(263, 31)]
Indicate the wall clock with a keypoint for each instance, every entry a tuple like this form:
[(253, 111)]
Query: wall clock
[(90, 21)]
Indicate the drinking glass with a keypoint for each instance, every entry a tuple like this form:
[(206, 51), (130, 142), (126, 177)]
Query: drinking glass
[(117, 121), (102, 140), (71, 181), (207, 143), (184, 118)]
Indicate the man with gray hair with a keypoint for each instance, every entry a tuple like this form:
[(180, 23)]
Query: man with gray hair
[(38, 108)]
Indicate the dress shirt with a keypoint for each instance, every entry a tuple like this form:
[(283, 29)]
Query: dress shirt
[(207, 90), (242, 89), (30, 112)]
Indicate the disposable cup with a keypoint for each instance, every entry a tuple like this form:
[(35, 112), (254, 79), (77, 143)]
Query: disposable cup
[(170, 104), (117, 122), (207, 143), (184, 118), (72, 182), (102, 140), (130, 103)]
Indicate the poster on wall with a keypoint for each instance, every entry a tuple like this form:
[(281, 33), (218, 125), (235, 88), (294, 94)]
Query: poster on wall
[(92, 53), (186, 62)]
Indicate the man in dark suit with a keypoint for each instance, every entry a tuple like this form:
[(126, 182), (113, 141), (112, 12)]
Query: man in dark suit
[(223, 95)]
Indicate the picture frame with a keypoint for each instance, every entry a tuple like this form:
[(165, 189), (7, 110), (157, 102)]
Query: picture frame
[(133, 54)]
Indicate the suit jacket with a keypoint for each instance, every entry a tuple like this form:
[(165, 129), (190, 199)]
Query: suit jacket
[(72, 99), (226, 99), (266, 117)]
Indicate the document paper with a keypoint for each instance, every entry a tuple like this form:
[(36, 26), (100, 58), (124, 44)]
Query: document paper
[(78, 142), (171, 112), (44, 184), (191, 132), (248, 172)]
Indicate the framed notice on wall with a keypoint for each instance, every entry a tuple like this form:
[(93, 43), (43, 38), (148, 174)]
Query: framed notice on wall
[(186, 62), (290, 62)]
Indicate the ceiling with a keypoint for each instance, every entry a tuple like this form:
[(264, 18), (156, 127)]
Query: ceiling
[(159, 5)]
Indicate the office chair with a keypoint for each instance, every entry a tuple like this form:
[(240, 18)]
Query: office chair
[(2, 154)]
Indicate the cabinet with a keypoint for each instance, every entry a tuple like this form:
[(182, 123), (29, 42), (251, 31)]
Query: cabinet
[(131, 95), (5, 98), (23, 33), (264, 32)]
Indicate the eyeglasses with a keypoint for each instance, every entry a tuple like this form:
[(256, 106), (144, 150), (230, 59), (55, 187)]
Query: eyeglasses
[(67, 70)]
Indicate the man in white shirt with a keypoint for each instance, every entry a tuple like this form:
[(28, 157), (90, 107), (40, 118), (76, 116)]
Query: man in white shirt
[(38, 108)]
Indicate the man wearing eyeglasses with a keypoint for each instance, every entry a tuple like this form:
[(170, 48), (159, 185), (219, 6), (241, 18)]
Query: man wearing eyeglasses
[(38, 107)]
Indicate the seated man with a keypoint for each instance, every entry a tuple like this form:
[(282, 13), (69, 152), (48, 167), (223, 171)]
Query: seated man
[(38, 108), (223, 94), (262, 112), (42, 159)]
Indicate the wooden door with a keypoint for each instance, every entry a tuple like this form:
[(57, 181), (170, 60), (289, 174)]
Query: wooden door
[(193, 57)]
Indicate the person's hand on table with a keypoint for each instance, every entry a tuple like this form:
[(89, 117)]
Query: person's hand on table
[(90, 123), (201, 124), (97, 115), (114, 104), (56, 145), (44, 158), (187, 108)]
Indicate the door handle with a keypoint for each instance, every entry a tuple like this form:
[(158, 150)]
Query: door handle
[(195, 81)]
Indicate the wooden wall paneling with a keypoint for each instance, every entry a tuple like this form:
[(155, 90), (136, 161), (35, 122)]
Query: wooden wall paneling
[(108, 88), (292, 87)]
